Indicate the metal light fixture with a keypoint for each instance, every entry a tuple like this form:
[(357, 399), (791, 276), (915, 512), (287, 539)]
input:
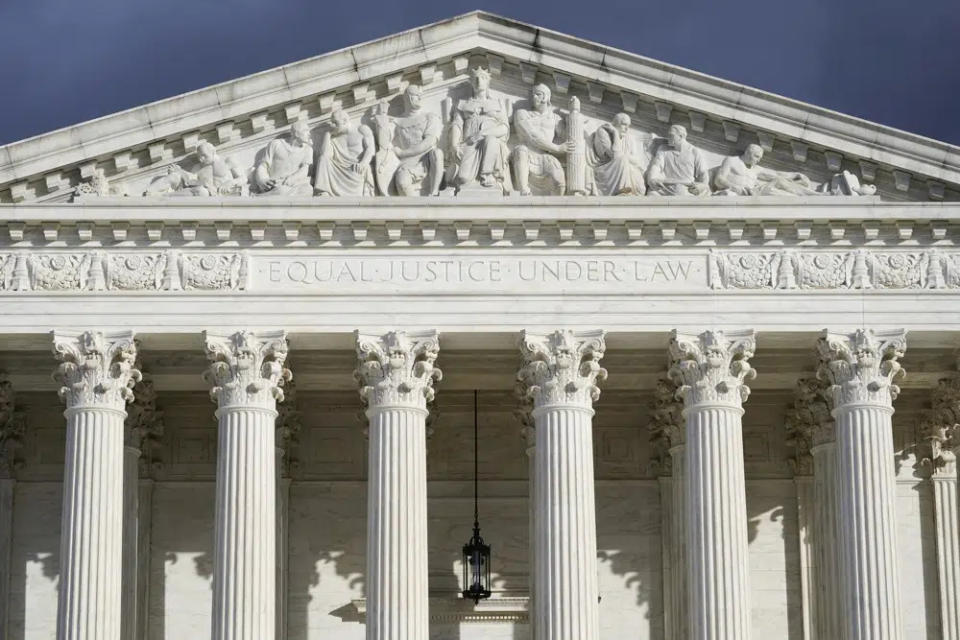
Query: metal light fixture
[(476, 554)]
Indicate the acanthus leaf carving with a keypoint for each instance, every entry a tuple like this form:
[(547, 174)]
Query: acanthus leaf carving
[(712, 367), (145, 428), (397, 369), (96, 369), (12, 429), (246, 368), (289, 425), (561, 368), (666, 425), (862, 367), (939, 429), (808, 423)]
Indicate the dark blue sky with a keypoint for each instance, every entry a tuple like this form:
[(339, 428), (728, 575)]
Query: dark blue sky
[(891, 61)]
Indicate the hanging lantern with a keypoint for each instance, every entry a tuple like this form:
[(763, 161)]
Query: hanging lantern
[(476, 554)]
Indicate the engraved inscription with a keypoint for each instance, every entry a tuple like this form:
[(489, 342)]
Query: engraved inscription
[(484, 273)]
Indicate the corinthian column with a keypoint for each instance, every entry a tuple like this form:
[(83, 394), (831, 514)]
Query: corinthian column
[(559, 375), (96, 372), (530, 439), (246, 375), (396, 374), (860, 368), (940, 428), (812, 429), (668, 432), (710, 369)]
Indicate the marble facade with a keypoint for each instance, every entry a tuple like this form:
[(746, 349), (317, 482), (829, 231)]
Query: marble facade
[(714, 334)]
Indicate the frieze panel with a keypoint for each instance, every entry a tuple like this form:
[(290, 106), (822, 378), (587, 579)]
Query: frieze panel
[(142, 271), (855, 269), (788, 269)]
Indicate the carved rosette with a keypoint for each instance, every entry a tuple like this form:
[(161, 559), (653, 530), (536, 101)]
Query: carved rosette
[(12, 427), (288, 429), (561, 368), (96, 369), (710, 368), (246, 368), (666, 427), (809, 423), (397, 369), (861, 367), (144, 426), (940, 429)]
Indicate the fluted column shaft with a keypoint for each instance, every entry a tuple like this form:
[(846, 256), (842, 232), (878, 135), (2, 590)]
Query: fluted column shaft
[(283, 533), (529, 434), (947, 522), (827, 556), (92, 525), (566, 528), (867, 533), (678, 546), (244, 580), (396, 376), (717, 525), (558, 380), (397, 589), (861, 367), (7, 486), (131, 543), (246, 375), (808, 587), (96, 372), (711, 368)]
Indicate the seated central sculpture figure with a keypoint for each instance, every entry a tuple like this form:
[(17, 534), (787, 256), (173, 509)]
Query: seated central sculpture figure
[(535, 155), (678, 168), (478, 137), (343, 165)]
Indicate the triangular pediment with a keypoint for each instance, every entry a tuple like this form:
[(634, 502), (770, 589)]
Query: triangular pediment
[(132, 149)]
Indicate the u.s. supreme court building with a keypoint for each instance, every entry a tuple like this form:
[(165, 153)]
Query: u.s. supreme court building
[(712, 333)]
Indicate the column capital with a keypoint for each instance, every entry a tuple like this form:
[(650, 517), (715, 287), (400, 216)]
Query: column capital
[(561, 368), (289, 425), (666, 427), (246, 368), (809, 422), (96, 369), (144, 426), (861, 366), (12, 427), (710, 368), (940, 429), (397, 368)]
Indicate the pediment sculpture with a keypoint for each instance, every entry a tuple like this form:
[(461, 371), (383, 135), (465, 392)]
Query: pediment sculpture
[(476, 143), (213, 175)]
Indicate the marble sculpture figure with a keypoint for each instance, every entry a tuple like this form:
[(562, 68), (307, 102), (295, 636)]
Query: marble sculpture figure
[(742, 175), (617, 159), (408, 148), (215, 176), (343, 164), (536, 155), (478, 137), (284, 167), (678, 168)]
